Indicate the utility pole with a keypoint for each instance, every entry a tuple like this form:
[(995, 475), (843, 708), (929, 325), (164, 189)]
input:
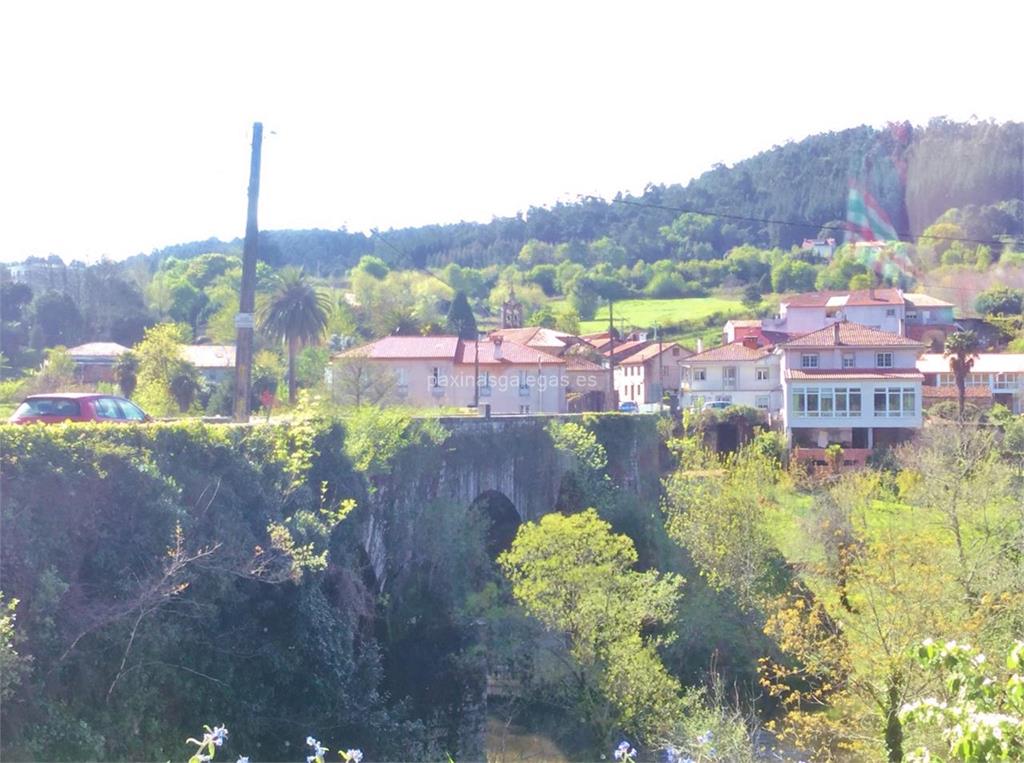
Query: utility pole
[(661, 367), (244, 321), (611, 356)]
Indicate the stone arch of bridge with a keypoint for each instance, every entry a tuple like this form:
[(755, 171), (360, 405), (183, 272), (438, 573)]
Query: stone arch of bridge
[(502, 520)]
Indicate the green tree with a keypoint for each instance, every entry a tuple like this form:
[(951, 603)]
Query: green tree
[(980, 716), (184, 384), (961, 350), (793, 275), (1000, 300), (159, 358), (57, 372), (56, 320), (575, 576), (126, 372), (460, 320), (295, 313)]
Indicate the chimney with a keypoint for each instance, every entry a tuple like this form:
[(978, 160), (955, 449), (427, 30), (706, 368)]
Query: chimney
[(497, 346), (700, 345), (835, 333), (750, 342)]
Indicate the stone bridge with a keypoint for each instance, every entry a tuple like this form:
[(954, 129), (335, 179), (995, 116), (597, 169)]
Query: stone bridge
[(509, 467)]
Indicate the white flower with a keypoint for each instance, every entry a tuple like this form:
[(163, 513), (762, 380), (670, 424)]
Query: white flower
[(218, 735), (353, 756), (624, 751), (242, 759)]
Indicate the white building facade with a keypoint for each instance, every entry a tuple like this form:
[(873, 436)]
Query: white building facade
[(740, 373), (851, 385)]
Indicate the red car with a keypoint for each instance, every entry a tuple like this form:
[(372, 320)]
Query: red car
[(77, 406)]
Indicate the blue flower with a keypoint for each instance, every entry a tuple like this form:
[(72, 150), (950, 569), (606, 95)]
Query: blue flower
[(218, 735)]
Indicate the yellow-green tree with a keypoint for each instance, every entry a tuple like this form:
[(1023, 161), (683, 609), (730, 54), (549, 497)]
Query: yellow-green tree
[(159, 362), (575, 576)]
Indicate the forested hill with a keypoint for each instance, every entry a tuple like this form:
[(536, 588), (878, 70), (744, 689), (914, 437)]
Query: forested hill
[(914, 173)]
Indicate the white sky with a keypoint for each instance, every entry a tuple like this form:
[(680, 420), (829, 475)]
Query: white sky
[(125, 126)]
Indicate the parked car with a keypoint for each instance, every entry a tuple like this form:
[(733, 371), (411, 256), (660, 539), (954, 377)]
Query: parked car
[(77, 406), (717, 405), (628, 406)]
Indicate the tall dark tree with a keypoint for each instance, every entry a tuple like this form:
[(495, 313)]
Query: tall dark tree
[(460, 319), (961, 350), (126, 372), (295, 313), (56, 320)]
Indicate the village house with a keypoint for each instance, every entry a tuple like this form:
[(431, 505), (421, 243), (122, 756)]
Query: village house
[(445, 371), (928, 320), (94, 361), (882, 309), (589, 377), (646, 374), (216, 362), (745, 372), (993, 378), (851, 385)]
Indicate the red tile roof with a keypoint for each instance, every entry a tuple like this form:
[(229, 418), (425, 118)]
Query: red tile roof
[(859, 298), (850, 374), (579, 363), (410, 347), (648, 353), (512, 353), (731, 351), (98, 350), (949, 393), (451, 348), (850, 335), (624, 349)]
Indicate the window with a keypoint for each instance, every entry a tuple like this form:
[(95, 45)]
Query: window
[(895, 401), (849, 360), (524, 409), (841, 402), (107, 408), (484, 381), (700, 374), (883, 360), (675, 352), (131, 411), (729, 377), (890, 313), (435, 377), (808, 360), (524, 384), (762, 402), (761, 374)]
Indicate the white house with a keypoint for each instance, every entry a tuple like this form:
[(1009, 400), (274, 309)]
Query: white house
[(880, 309), (850, 384), (446, 371), (1002, 374), (646, 375), (742, 373)]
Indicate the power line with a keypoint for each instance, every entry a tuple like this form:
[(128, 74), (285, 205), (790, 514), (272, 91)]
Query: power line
[(769, 221)]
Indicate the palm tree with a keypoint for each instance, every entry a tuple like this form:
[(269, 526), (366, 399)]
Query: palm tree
[(295, 313), (962, 350), (126, 372)]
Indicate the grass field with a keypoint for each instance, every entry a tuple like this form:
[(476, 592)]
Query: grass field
[(644, 313)]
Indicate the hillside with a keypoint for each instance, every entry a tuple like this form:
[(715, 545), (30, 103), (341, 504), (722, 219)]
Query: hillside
[(915, 173)]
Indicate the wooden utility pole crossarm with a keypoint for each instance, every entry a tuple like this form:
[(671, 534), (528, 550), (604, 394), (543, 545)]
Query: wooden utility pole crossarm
[(245, 320)]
